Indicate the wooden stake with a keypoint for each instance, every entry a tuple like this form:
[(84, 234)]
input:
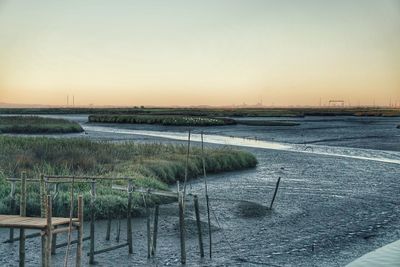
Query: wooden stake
[(22, 212), (148, 232), (92, 218), (198, 223), (12, 209), (207, 198), (80, 232), (129, 220), (155, 230), (43, 206), (275, 192), (118, 230), (48, 231), (182, 229), (108, 231), (54, 243), (43, 195)]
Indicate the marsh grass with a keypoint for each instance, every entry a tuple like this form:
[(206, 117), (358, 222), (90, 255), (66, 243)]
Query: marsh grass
[(175, 120), (35, 125), (152, 165)]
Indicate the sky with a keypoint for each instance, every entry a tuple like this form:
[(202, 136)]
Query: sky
[(209, 52)]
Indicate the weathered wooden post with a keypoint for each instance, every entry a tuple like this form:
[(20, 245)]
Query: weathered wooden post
[(12, 208), (80, 232), (92, 218), (182, 228), (155, 230), (48, 231), (43, 206), (129, 219), (22, 213), (198, 223), (275, 192), (118, 230), (108, 231), (54, 238), (148, 232), (54, 243)]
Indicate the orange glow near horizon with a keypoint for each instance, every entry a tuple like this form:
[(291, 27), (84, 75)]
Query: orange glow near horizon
[(205, 53)]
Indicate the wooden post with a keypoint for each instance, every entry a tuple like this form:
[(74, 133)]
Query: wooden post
[(49, 233), (275, 192), (129, 219), (148, 232), (22, 213), (92, 218), (80, 232), (108, 231), (118, 230), (209, 225), (182, 229), (12, 209), (54, 238), (43, 195), (43, 206), (198, 223), (155, 230), (54, 243)]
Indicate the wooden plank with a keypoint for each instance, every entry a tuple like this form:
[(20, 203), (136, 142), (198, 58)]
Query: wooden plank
[(15, 221)]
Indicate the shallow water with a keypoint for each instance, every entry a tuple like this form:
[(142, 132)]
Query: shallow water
[(337, 199)]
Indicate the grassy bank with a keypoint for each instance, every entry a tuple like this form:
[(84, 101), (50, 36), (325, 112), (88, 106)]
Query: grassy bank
[(35, 125), (174, 120), (266, 123), (216, 112), (152, 165)]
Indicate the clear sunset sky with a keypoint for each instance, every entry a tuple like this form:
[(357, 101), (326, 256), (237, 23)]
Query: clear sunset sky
[(213, 52)]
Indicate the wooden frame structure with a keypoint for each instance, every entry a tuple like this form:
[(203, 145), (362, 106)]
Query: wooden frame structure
[(48, 226), (46, 181)]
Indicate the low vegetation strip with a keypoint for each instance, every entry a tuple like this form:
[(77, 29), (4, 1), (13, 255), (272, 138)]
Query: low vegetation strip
[(35, 125), (152, 165), (161, 119), (266, 123), (216, 112)]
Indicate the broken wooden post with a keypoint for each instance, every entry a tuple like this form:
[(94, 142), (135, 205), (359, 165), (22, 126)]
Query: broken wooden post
[(22, 213), (92, 218), (12, 209), (198, 223), (275, 192), (155, 230), (48, 232), (80, 232), (182, 228), (129, 219)]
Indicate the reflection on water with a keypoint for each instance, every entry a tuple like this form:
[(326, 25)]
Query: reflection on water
[(356, 153)]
